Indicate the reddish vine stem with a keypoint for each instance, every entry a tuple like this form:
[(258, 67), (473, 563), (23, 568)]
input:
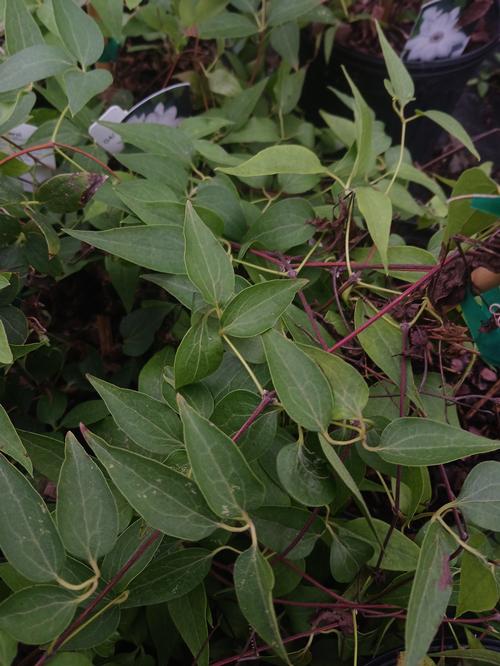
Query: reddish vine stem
[(391, 305), (300, 535), (57, 144), (267, 399)]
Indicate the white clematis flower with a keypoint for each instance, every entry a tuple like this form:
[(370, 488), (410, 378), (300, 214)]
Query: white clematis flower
[(438, 37), (160, 115)]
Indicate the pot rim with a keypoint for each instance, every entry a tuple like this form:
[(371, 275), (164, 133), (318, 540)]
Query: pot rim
[(436, 65)]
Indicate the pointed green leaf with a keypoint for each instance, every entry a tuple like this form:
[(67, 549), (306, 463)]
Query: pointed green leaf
[(219, 468), (281, 11), (87, 517), (348, 553), (254, 582), (208, 265), (189, 614), (32, 64), (278, 159), (383, 343), (299, 383), (419, 442), (28, 537), (278, 526), (158, 247), (200, 352), (400, 554), (363, 122), (453, 127), (38, 614), (349, 389), (11, 444), (81, 87), (150, 423), (257, 308), (78, 31), (170, 576), (344, 475), (479, 498), (376, 208), (8, 649), (430, 593), (283, 225), (478, 586), (473, 655), (47, 453), (167, 500), (127, 544), (402, 83), (21, 29), (304, 475)]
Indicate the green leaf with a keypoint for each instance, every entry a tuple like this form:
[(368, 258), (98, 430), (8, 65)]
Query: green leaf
[(430, 593), (419, 442), (150, 423), (169, 576), (402, 83), (348, 553), (111, 14), (219, 468), (68, 192), (453, 127), (167, 500), (37, 615), (349, 389), (11, 444), (28, 537), (8, 649), (478, 586), (87, 517), (278, 159), (127, 544), (376, 208), (304, 475), (400, 554), (79, 33), (475, 655), (21, 29), (278, 526), (254, 582), (285, 40), (47, 453), (208, 265), (344, 475), (283, 225), (227, 25), (282, 11), (158, 247), (257, 308), (383, 343), (189, 614), (462, 218), (157, 139), (299, 383), (32, 64), (200, 352), (479, 498), (363, 122), (73, 658), (81, 87), (489, 204)]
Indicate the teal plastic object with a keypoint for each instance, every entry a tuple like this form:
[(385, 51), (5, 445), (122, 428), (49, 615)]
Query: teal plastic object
[(483, 312), (111, 51), (487, 204)]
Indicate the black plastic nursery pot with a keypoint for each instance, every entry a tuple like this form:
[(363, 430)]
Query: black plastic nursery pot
[(391, 658), (438, 85)]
